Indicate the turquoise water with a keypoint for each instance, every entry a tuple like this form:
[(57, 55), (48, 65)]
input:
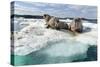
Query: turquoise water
[(59, 52)]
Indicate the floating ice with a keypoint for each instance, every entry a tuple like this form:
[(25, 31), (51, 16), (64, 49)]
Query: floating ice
[(54, 43)]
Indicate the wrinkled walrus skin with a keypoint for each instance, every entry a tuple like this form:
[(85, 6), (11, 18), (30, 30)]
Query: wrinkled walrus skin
[(76, 25), (53, 22), (62, 25)]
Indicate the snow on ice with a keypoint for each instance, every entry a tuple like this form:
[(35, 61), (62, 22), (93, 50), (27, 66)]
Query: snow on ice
[(35, 37)]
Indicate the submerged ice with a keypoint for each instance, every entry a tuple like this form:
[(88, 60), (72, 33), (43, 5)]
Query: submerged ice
[(54, 43)]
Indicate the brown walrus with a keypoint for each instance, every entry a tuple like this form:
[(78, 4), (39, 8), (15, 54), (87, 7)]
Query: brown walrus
[(62, 25), (76, 25), (53, 22)]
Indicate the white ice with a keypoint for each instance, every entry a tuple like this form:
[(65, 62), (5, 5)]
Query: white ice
[(35, 36)]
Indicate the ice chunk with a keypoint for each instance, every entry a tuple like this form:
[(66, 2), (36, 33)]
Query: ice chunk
[(35, 37)]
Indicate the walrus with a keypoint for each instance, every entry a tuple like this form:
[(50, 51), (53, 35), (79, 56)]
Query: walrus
[(53, 22), (62, 25), (76, 25)]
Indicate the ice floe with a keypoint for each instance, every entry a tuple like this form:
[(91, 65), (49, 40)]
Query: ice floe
[(35, 37)]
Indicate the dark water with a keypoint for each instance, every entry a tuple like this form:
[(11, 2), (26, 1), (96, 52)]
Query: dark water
[(91, 54), (42, 58)]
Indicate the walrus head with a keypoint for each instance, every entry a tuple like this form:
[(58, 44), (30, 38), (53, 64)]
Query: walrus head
[(77, 19), (46, 17)]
